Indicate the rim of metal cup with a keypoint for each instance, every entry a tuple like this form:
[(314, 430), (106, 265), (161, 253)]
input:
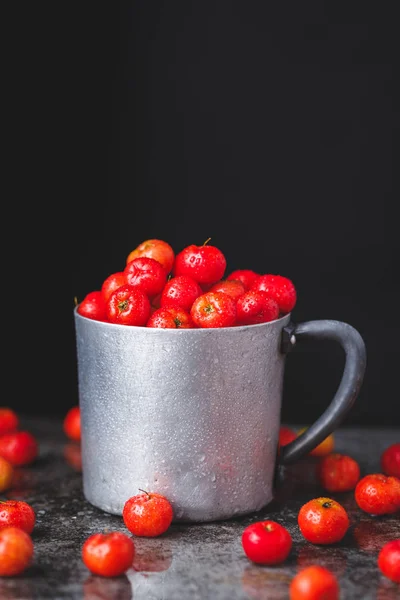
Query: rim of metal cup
[(191, 331)]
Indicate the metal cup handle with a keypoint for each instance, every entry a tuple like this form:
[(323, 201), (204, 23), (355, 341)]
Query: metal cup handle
[(352, 378)]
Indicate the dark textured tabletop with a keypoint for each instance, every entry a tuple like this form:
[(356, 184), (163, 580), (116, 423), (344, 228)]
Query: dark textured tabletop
[(204, 561)]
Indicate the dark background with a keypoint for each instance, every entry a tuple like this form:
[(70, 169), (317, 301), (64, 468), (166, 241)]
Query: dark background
[(269, 127)]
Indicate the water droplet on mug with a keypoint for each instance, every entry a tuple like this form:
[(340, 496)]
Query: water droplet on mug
[(202, 458), (213, 477)]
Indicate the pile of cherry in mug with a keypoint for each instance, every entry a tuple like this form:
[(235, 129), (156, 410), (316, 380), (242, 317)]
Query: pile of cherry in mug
[(190, 289)]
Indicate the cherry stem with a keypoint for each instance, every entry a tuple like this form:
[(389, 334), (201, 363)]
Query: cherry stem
[(206, 242), (144, 492)]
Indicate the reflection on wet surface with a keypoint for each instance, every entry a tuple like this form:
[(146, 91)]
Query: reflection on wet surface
[(23, 484), (263, 583), (387, 590), (370, 534), (335, 559), (102, 588), (73, 455), (152, 556), (15, 589)]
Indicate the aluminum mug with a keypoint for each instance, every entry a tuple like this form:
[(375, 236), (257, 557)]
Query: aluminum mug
[(194, 414)]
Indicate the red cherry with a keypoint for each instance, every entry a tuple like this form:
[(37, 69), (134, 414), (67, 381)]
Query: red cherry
[(280, 288), (234, 288), (205, 264), (390, 460), (170, 317), (256, 307), (20, 448), (286, 435), (157, 249), (180, 292), (266, 542), (147, 514), (72, 423), (246, 276), (128, 305), (314, 583), (378, 494), (16, 551), (108, 554), (146, 274), (93, 306), (214, 309), (111, 283), (389, 560), (9, 420), (17, 513)]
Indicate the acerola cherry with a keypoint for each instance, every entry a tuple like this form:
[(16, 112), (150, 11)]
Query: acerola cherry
[(170, 317), (159, 250), (153, 559), (314, 583), (246, 276), (17, 513), (111, 283), (147, 274), (147, 514), (205, 264), (390, 460), (108, 554), (324, 448), (9, 420), (128, 305), (323, 521), (256, 307), (286, 435), (180, 292), (378, 494), (280, 288), (338, 472), (389, 560), (20, 448), (266, 542), (6, 474), (213, 309), (16, 551), (72, 423), (93, 306), (234, 288)]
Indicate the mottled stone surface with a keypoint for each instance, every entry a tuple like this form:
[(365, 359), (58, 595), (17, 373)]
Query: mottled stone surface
[(204, 561)]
